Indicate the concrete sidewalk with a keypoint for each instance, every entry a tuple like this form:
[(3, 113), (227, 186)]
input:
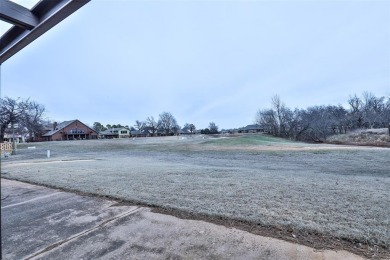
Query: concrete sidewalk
[(43, 223)]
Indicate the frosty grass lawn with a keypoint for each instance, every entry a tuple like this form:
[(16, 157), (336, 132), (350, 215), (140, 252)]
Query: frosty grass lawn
[(335, 191)]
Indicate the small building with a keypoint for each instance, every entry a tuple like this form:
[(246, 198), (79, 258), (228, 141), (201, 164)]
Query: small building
[(121, 132), (15, 132), (185, 131), (70, 130), (163, 132), (226, 131), (150, 131), (145, 132), (9, 137)]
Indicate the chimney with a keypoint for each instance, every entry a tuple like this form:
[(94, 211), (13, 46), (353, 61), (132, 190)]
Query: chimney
[(54, 125)]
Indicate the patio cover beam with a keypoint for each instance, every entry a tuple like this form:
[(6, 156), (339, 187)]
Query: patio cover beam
[(42, 17), (17, 15)]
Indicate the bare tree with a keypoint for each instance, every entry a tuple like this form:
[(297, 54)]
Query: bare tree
[(339, 119), (176, 129), (166, 122), (277, 107), (319, 119), (373, 109), (192, 128), (32, 120), (152, 124), (266, 118), (356, 115), (18, 111), (386, 113), (316, 123), (139, 125), (213, 128), (277, 119), (281, 115)]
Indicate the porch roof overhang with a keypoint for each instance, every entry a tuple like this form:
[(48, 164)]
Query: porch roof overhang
[(29, 24)]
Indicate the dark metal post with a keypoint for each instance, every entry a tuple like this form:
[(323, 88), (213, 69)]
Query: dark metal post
[(389, 129), (13, 140)]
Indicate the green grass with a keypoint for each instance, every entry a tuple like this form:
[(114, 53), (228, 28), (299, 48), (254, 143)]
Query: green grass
[(321, 152), (247, 140)]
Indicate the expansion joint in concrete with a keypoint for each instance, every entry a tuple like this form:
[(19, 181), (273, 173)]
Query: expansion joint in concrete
[(85, 232)]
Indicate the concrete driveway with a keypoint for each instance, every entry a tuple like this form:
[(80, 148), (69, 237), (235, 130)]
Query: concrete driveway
[(43, 223)]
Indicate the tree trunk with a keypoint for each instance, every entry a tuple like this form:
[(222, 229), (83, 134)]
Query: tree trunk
[(2, 129)]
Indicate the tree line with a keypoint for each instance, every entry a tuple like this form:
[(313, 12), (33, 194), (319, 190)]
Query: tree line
[(25, 115), (313, 124), (316, 123), (165, 123)]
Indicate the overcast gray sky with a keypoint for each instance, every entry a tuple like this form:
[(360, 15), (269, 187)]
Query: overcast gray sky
[(119, 61)]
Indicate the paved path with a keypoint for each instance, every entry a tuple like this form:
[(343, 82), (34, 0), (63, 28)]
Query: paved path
[(43, 223)]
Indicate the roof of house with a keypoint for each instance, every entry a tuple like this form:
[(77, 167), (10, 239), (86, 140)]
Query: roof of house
[(59, 127), (161, 131), (251, 127), (62, 125), (141, 132), (185, 130), (149, 128)]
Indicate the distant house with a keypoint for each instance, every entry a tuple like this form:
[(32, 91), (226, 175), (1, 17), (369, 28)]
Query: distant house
[(70, 130), (139, 133), (150, 131), (110, 133), (145, 132), (251, 129), (15, 133), (185, 131), (9, 137), (226, 131), (163, 132)]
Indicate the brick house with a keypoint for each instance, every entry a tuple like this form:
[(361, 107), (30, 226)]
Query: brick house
[(70, 130), (251, 129)]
